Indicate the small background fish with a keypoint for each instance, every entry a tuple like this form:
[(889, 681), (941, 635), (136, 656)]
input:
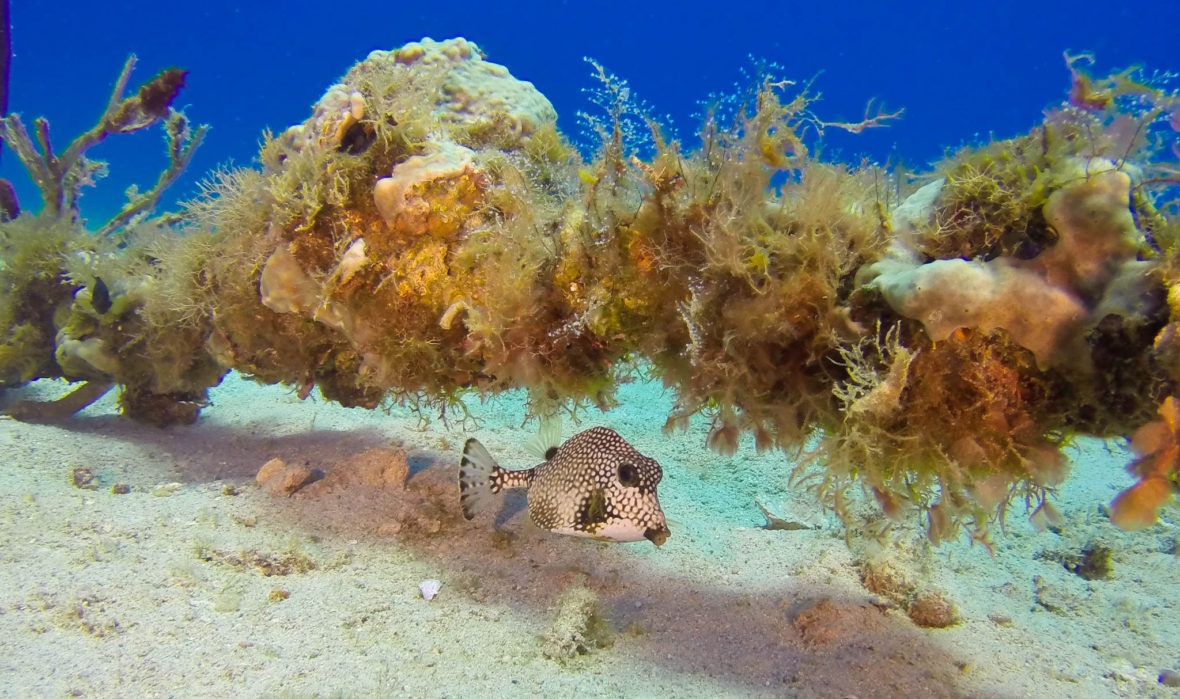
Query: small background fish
[(100, 296), (594, 485)]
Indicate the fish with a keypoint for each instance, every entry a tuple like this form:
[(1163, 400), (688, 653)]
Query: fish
[(594, 485), (100, 296)]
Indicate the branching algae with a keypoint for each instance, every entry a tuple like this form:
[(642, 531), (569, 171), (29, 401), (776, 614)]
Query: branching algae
[(73, 298), (428, 233)]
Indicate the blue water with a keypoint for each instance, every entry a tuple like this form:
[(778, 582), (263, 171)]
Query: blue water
[(961, 71)]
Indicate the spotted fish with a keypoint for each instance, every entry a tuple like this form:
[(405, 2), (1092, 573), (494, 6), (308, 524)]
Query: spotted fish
[(594, 485)]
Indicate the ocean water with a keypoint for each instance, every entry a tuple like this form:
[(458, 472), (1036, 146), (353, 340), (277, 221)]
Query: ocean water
[(962, 71), (152, 593)]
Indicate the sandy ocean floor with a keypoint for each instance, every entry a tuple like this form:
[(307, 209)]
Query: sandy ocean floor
[(196, 582)]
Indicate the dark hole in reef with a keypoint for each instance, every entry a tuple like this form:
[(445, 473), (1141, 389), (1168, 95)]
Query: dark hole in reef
[(1038, 237), (357, 138), (1128, 381)]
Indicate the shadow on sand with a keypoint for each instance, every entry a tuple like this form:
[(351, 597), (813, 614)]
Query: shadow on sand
[(749, 641)]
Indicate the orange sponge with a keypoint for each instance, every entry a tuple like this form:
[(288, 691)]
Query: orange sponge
[(1156, 442)]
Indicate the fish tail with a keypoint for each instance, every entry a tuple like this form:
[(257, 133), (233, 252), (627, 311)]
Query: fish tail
[(477, 477)]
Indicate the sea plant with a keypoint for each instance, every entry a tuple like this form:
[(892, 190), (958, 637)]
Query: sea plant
[(70, 307)]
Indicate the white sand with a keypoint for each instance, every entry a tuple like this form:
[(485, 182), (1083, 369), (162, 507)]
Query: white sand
[(148, 594)]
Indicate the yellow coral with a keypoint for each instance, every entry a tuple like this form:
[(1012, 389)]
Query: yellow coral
[(423, 272)]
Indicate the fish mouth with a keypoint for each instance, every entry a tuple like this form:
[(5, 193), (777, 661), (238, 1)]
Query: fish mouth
[(657, 536)]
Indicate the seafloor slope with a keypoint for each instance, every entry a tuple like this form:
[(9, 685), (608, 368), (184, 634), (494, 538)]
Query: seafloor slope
[(198, 582)]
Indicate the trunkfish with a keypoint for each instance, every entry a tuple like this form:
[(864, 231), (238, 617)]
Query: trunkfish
[(594, 485)]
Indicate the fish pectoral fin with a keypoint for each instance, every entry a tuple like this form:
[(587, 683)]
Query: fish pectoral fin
[(543, 445), (595, 512)]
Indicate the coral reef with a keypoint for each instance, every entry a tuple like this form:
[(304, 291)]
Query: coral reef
[(1022, 301), (367, 290), (73, 298), (484, 257), (428, 233)]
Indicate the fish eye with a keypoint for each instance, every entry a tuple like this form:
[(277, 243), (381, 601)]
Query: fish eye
[(628, 476)]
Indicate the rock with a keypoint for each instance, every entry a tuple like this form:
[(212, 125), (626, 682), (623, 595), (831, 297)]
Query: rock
[(1054, 598), (883, 578), (381, 469), (269, 470), (828, 623), (932, 611), (84, 478), (579, 626), (390, 528), (165, 489), (429, 589), (278, 479)]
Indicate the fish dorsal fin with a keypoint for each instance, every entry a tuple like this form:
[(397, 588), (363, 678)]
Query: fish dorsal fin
[(548, 438)]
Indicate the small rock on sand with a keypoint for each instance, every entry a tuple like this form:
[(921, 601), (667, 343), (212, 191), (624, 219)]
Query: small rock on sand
[(380, 469), (279, 479)]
